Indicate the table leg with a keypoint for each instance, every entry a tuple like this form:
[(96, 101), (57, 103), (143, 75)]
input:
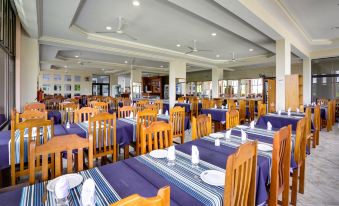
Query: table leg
[(126, 152)]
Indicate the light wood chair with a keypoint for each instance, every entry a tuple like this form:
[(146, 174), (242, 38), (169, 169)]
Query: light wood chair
[(29, 114), (145, 117), (240, 183), (251, 108), (181, 99), (231, 104), (126, 102), (157, 135), (21, 168), (151, 107), (162, 199), (206, 104), (218, 102), (330, 117), (177, 120), (69, 111), (201, 126), (92, 103), (322, 101), (242, 111), (126, 111), (35, 106), (141, 105), (299, 157), (55, 147), (301, 108), (71, 100), (232, 119), (280, 169), (195, 107), (272, 107), (308, 128), (261, 110), (333, 111), (103, 126), (101, 106), (160, 105), (317, 125), (83, 114)]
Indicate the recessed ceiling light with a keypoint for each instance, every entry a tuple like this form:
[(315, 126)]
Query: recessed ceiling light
[(108, 27), (103, 69), (136, 3), (76, 56), (251, 50), (214, 34), (161, 66), (178, 45), (126, 62), (218, 55), (65, 66)]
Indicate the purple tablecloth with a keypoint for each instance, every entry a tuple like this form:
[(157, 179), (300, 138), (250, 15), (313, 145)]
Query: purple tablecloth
[(56, 115), (277, 121), (323, 112), (218, 115), (2, 119)]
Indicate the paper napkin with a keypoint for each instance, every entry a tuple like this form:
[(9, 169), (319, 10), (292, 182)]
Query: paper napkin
[(228, 134), (166, 113), (171, 153), (88, 193), (61, 188), (252, 125), (243, 136), (131, 115), (195, 155), (269, 126)]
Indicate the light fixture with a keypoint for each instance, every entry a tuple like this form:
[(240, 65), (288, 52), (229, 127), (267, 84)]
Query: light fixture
[(108, 28), (126, 62), (65, 66), (79, 62), (103, 69), (218, 55), (214, 34), (136, 3), (161, 66), (251, 50), (178, 45), (76, 56)]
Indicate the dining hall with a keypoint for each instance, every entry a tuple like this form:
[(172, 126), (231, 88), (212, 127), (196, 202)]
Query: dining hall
[(169, 102)]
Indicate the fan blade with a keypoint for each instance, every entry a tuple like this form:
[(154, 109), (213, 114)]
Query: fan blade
[(191, 48), (129, 36), (189, 52), (204, 50), (106, 32)]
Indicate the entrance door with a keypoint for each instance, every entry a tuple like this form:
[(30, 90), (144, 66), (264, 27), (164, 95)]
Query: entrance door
[(100, 89)]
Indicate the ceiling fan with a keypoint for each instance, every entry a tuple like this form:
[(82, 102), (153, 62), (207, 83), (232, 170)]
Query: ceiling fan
[(120, 29), (195, 49)]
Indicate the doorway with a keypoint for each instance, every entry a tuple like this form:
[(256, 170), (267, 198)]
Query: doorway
[(100, 85)]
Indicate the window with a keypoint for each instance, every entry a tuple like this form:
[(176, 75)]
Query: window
[(77, 78), (314, 80), (337, 78), (46, 87), (77, 87), (46, 77), (234, 84), (57, 77), (68, 78), (57, 87), (100, 79), (256, 86), (68, 87), (68, 95)]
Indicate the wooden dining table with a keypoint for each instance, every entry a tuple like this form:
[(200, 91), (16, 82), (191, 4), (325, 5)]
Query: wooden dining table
[(145, 174)]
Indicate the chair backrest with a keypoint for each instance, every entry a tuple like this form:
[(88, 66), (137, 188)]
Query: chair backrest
[(126, 102), (35, 106), (261, 110), (240, 183), (72, 100), (206, 104), (151, 107), (242, 110), (160, 105), (329, 115), (125, 111), (333, 111), (280, 170), (272, 108), (162, 199), (158, 135), (29, 114), (141, 105), (251, 109), (101, 106), (195, 107), (316, 118), (69, 109), (52, 104), (300, 142), (92, 103), (55, 147), (322, 101), (232, 118), (308, 126), (301, 108), (83, 114), (218, 102), (231, 105), (104, 129), (145, 117), (177, 120), (201, 126), (39, 130), (181, 99)]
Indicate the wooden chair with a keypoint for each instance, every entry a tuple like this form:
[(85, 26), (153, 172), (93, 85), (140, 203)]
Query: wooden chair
[(301, 108), (280, 169), (126, 111), (329, 120), (317, 124), (21, 168), (201, 126), (206, 104), (101, 106), (261, 110), (240, 183), (71, 100), (231, 105), (103, 126), (272, 108), (181, 99), (218, 102), (29, 114), (145, 117), (52, 104), (69, 111), (333, 111), (151, 107), (141, 105), (92, 103), (322, 101), (308, 129), (177, 120), (35, 106), (195, 107), (251, 108), (299, 157), (126, 102), (55, 147), (232, 119), (162, 199), (83, 114), (242, 111), (157, 135), (160, 105)]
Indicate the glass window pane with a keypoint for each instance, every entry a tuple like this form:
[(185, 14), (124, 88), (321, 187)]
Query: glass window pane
[(57, 77), (46, 77), (77, 87), (46, 87), (68, 78), (57, 87), (68, 87), (77, 78)]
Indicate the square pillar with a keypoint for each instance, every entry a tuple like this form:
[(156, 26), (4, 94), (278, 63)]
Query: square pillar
[(136, 77), (177, 69), (307, 81), (217, 74), (283, 67)]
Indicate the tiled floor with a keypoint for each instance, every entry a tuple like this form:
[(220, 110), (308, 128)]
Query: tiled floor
[(322, 172)]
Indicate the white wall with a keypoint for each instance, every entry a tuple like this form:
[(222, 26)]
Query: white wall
[(124, 81)]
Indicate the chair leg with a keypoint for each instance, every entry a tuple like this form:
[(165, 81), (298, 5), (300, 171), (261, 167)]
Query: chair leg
[(317, 137), (294, 186), (126, 152), (182, 138), (302, 178)]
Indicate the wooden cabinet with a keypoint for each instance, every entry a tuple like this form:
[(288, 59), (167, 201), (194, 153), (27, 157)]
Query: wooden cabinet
[(293, 91), (153, 85)]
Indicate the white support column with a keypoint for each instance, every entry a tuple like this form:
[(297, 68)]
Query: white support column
[(307, 81), (136, 77), (283, 67), (177, 69), (217, 74)]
